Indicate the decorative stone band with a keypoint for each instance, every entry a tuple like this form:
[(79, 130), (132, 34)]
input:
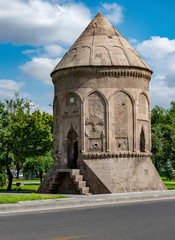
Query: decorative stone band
[(115, 155), (74, 72)]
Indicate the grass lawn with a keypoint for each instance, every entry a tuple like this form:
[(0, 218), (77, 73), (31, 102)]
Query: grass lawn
[(23, 180), (170, 186), (26, 187), (16, 198)]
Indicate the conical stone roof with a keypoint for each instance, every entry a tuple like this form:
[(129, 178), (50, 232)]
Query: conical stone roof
[(101, 44)]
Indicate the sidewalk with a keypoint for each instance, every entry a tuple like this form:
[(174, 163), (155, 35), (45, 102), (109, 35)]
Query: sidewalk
[(85, 201)]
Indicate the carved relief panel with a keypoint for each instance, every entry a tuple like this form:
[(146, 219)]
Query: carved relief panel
[(95, 123), (122, 118)]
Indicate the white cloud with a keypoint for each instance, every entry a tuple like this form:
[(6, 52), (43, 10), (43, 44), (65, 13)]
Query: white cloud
[(39, 69), (159, 53), (53, 50), (40, 22), (47, 51), (9, 87), (113, 12), (157, 47)]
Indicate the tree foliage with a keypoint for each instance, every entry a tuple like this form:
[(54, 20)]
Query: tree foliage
[(2, 177), (37, 165), (23, 133), (163, 135)]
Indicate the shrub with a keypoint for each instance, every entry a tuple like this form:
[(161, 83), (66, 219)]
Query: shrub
[(169, 170)]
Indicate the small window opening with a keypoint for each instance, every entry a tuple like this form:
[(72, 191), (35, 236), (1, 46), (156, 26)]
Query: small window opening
[(72, 100)]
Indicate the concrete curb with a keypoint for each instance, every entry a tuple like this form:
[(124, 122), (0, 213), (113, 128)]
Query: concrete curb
[(85, 201)]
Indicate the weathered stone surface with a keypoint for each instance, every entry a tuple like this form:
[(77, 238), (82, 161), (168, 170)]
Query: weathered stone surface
[(102, 116), (101, 45)]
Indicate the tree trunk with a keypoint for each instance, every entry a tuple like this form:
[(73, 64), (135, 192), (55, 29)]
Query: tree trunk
[(9, 173), (18, 169), (41, 176)]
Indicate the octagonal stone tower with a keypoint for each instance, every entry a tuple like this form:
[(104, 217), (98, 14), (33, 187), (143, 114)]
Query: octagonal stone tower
[(102, 134)]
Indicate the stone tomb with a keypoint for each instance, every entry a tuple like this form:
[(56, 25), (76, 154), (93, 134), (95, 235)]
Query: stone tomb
[(102, 133)]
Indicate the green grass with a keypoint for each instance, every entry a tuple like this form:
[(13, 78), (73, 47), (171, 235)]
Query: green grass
[(170, 186), (164, 177), (26, 187), (23, 180), (6, 199)]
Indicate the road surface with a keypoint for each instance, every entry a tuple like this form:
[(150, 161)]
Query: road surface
[(132, 221)]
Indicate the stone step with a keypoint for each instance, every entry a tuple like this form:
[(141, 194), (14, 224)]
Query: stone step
[(78, 177), (75, 171), (84, 190), (81, 184)]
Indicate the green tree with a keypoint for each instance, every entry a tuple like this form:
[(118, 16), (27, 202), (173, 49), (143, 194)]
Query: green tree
[(38, 165), (163, 135), (6, 141), (23, 134)]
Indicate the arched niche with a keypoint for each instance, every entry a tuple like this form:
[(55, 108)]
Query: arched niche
[(56, 120), (142, 140), (143, 124), (122, 119), (95, 123), (103, 58), (143, 106), (71, 104), (70, 123), (118, 56), (72, 148)]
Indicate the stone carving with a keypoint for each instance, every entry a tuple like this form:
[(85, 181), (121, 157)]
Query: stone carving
[(92, 82), (123, 122), (115, 155), (95, 127), (142, 104)]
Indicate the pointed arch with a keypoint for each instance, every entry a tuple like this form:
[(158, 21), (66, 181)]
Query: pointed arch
[(122, 121), (72, 148), (143, 103), (142, 140)]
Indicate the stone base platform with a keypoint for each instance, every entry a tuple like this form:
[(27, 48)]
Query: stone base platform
[(106, 174)]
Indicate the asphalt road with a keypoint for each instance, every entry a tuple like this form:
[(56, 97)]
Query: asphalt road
[(132, 221)]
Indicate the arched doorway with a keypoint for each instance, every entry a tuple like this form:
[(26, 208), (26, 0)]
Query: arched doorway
[(142, 141), (72, 149)]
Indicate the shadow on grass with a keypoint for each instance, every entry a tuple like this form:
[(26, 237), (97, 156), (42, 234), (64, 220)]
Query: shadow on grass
[(26, 188)]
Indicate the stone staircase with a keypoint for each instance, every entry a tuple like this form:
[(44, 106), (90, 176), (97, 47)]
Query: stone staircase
[(74, 174), (80, 183)]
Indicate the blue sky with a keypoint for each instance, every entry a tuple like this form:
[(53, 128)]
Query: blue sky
[(35, 34)]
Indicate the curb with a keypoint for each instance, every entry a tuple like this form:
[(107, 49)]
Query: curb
[(85, 201)]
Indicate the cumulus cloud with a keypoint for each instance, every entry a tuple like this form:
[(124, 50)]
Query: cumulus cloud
[(39, 69), (159, 53), (9, 87), (41, 22), (47, 51), (113, 12)]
